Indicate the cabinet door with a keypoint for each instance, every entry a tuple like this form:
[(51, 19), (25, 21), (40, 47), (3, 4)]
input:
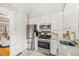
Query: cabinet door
[(71, 17), (32, 20), (60, 21), (39, 21), (47, 19), (53, 22)]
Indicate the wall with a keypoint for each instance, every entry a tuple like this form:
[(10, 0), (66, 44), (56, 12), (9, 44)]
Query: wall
[(18, 22), (19, 36)]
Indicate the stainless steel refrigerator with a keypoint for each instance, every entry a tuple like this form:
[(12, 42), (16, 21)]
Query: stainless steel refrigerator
[(30, 36)]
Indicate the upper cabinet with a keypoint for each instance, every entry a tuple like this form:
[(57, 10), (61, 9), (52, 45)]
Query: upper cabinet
[(71, 17), (55, 19), (60, 21)]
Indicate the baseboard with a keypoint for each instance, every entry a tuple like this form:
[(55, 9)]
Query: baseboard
[(19, 53)]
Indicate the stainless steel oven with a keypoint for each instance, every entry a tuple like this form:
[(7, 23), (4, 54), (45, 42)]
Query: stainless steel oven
[(44, 45)]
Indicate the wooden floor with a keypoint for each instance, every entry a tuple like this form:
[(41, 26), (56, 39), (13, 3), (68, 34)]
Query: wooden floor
[(4, 51)]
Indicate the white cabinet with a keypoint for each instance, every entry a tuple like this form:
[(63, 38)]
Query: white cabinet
[(60, 21), (54, 22), (31, 20), (54, 19), (47, 19), (71, 17)]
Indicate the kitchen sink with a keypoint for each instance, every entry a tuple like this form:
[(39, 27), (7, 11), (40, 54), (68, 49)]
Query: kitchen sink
[(69, 43)]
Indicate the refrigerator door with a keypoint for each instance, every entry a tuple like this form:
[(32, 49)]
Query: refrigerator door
[(30, 31), (30, 36)]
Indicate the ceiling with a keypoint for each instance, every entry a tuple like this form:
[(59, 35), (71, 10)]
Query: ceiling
[(35, 9)]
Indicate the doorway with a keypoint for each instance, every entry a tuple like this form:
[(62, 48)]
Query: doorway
[(4, 32)]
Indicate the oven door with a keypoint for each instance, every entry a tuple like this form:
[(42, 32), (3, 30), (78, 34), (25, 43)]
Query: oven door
[(45, 45)]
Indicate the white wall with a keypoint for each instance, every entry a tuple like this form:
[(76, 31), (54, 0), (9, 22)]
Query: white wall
[(19, 36), (18, 24), (71, 16)]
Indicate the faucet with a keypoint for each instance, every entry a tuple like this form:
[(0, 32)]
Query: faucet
[(74, 37)]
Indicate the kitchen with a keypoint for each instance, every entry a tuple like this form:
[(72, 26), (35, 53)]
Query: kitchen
[(60, 24)]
